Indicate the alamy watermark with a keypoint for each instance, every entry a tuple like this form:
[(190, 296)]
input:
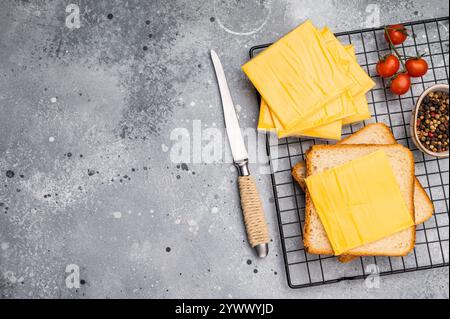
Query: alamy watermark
[(73, 17), (73, 277), (373, 16), (372, 281), (210, 145)]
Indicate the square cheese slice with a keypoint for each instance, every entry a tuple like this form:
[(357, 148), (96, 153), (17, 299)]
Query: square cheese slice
[(335, 110), (346, 57), (323, 123), (268, 122), (359, 202), (297, 75)]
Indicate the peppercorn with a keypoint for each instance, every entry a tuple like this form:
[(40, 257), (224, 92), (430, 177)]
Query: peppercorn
[(432, 121)]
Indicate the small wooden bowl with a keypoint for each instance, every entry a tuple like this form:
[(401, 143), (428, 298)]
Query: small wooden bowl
[(415, 137)]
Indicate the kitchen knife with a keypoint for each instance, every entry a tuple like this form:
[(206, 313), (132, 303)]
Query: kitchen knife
[(254, 219)]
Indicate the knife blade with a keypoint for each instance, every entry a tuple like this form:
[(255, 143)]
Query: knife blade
[(254, 219), (235, 138)]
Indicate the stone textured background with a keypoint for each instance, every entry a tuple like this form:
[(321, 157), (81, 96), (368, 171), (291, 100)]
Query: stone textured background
[(85, 122)]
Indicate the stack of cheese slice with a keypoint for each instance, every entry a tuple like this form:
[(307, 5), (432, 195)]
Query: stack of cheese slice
[(310, 84)]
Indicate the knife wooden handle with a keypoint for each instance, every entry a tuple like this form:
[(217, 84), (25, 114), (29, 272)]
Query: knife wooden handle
[(254, 219)]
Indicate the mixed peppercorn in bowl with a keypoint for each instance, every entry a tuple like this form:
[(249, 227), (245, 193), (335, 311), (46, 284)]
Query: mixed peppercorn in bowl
[(429, 121)]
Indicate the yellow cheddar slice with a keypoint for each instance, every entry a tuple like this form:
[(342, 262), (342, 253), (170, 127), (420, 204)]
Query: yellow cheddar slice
[(269, 122), (330, 131), (265, 121), (297, 75), (324, 123), (341, 107), (344, 106), (345, 56), (362, 110), (359, 202)]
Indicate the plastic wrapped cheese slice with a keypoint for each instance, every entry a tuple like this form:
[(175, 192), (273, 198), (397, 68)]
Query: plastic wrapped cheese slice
[(362, 112), (359, 105), (297, 75), (269, 122), (359, 202), (345, 56), (335, 110)]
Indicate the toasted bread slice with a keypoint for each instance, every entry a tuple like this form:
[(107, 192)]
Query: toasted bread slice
[(322, 157), (299, 174), (378, 133)]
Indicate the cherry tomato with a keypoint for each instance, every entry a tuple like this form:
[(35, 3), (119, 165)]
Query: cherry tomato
[(388, 66), (416, 67), (397, 33), (400, 84)]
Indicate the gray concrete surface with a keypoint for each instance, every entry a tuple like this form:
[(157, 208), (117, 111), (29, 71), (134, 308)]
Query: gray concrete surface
[(85, 122)]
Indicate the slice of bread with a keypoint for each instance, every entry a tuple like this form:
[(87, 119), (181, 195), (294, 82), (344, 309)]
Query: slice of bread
[(322, 157), (299, 174), (377, 133)]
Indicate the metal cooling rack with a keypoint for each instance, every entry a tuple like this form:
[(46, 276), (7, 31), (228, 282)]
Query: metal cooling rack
[(432, 239)]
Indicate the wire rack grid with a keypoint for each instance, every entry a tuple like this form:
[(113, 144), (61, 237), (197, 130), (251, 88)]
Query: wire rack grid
[(432, 237)]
